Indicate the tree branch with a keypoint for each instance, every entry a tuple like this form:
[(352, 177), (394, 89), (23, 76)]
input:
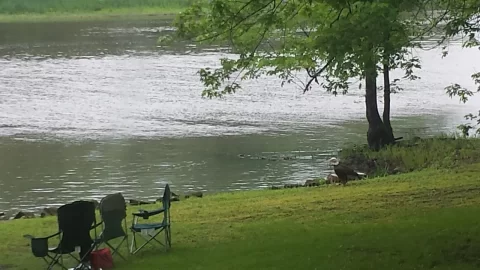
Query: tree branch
[(338, 17), (231, 28), (313, 77)]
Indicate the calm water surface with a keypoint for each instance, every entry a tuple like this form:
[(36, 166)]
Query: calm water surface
[(96, 107)]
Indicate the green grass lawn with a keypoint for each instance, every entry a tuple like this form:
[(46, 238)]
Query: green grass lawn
[(421, 220)]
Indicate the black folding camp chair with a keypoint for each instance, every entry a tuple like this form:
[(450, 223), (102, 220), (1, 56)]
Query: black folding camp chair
[(75, 220), (113, 211), (150, 231)]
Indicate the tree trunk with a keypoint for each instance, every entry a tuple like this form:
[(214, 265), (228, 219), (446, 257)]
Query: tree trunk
[(386, 100), (377, 134)]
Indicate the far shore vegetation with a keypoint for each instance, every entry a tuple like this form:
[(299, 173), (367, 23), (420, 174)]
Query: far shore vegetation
[(423, 217), (74, 10)]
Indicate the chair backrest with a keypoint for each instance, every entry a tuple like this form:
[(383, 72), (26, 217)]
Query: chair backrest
[(167, 194), (113, 209), (75, 221), (166, 202)]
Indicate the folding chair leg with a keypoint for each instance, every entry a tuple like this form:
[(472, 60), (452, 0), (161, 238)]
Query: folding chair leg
[(115, 249), (50, 264), (126, 234), (134, 251), (167, 238), (149, 240), (61, 261), (126, 240), (134, 244), (57, 259)]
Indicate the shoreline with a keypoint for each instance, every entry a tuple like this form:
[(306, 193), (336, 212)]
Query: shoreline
[(85, 16), (51, 210), (420, 203), (407, 156)]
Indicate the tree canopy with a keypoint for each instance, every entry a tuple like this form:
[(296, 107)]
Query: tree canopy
[(330, 41), (464, 20)]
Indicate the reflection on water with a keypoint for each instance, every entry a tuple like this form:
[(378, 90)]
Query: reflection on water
[(94, 107)]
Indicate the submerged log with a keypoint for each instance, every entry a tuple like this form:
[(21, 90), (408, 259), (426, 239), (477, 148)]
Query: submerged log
[(292, 185), (22, 214), (137, 202), (197, 194), (311, 183), (173, 197), (49, 211)]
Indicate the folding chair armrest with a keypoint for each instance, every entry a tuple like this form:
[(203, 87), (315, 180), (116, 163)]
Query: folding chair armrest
[(146, 214), (31, 237), (141, 213), (39, 245)]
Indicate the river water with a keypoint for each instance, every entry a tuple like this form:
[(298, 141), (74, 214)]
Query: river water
[(91, 108)]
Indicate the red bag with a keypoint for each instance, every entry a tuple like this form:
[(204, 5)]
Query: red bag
[(101, 259)]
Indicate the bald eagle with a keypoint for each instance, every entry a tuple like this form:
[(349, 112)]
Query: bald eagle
[(344, 172)]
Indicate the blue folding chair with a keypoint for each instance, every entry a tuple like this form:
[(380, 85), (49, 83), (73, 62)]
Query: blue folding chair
[(149, 231)]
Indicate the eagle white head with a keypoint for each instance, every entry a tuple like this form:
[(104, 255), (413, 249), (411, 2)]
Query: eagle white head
[(333, 161)]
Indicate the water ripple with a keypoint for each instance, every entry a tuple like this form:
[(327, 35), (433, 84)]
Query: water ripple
[(102, 109)]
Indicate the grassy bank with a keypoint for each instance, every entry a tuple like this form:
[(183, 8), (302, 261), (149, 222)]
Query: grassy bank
[(417, 220), (414, 154), (64, 10)]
